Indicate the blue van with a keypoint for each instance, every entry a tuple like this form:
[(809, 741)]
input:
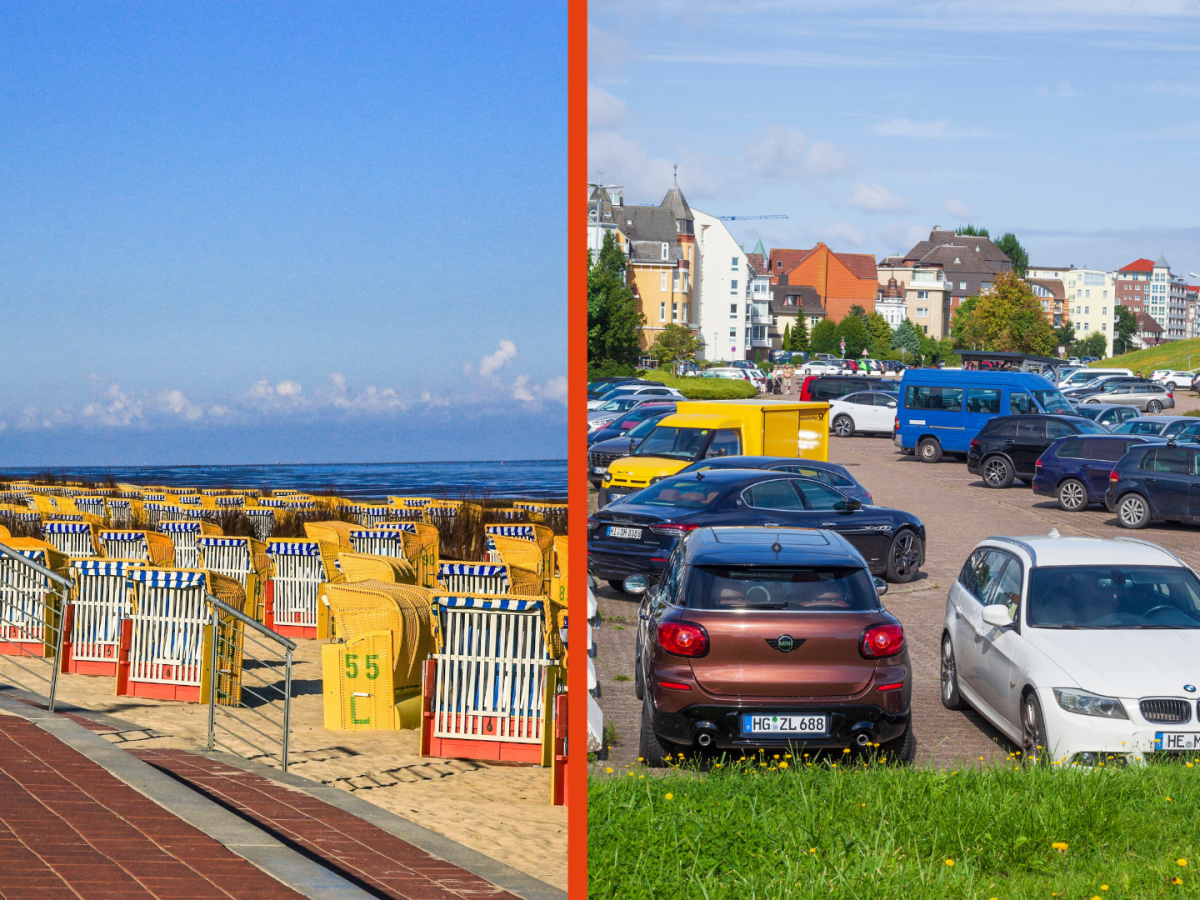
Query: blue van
[(941, 410)]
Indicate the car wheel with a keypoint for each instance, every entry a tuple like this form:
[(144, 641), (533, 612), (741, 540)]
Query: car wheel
[(1072, 495), (951, 696), (997, 472), (1035, 743), (1154, 407), (1171, 386), (1133, 511), (904, 748), (653, 750), (929, 450), (904, 557), (843, 426)]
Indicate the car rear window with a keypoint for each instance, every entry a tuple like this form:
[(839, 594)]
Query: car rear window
[(684, 493), (1169, 460), (790, 588), (1111, 597), (1109, 451)]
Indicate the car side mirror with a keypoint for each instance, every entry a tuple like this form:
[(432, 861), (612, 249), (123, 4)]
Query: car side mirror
[(881, 586), (848, 505), (891, 404), (632, 443), (637, 584), (997, 616)]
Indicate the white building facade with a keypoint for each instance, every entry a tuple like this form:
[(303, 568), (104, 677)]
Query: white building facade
[(1091, 299), (723, 292)]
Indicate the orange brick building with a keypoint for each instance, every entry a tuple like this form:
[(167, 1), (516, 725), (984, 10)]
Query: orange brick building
[(840, 279)]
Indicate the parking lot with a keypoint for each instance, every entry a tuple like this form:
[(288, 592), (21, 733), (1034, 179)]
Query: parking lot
[(958, 512)]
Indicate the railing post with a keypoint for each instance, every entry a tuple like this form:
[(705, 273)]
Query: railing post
[(58, 644), (287, 705), (214, 681)]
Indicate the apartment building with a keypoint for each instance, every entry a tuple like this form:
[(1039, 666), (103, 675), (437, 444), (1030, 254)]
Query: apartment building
[(1054, 299), (1089, 297), (724, 293), (1151, 288), (841, 280), (789, 304), (924, 290), (969, 265), (760, 305)]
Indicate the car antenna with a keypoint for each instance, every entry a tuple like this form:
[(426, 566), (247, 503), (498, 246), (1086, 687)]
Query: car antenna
[(1054, 533)]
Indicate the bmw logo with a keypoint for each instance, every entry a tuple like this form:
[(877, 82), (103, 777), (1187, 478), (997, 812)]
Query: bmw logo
[(1190, 688), (785, 644)]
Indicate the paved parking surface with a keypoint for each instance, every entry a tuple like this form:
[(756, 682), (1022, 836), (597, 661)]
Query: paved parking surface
[(958, 512)]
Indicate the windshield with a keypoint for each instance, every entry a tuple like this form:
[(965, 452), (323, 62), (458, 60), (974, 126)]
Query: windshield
[(1110, 597), (675, 443), (1089, 411), (1053, 402), (1089, 427), (644, 428), (678, 493), (792, 588)]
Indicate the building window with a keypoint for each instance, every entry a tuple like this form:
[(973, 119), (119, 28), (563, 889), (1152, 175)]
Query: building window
[(985, 286), (926, 327), (664, 252), (735, 264), (922, 312), (733, 334), (733, 287), (1104, 326), (1104, 310), (662, 312), (1086, 311), (684, 282), (674, 312), (962, 285), (733, 310), (922, 295), (662, 282), (675, 280), (686, 313)]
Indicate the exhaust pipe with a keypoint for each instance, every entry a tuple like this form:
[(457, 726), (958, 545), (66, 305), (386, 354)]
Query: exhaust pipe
[(704, 740), (863, 739)]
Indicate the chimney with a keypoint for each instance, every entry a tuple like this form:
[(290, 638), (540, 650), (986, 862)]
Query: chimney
[(783, 279)]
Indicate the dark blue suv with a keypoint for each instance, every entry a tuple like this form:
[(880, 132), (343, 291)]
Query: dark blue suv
[(1156, 481), (1075, 469)]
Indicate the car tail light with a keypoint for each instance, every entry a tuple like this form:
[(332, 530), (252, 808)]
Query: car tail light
[(683, 638), (593, 524), (1113, 476), (671, 530), (896, 425), (1038, 464), (974, 444), (882, 640), (1170, 395), (805, 393), (889, 687), (675, 685)]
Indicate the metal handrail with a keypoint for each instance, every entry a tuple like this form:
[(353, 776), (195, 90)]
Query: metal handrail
[(219, 608)]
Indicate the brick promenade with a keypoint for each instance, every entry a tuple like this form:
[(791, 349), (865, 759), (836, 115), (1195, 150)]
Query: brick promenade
[(356, 850), (69, 829)]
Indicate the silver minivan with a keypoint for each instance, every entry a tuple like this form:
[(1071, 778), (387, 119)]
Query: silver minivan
[(1080, 377)]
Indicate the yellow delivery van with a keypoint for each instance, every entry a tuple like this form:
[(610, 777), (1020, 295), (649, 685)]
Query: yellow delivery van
[(700, 429)]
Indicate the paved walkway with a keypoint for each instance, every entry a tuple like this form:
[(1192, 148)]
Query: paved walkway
[(69, 829), (358, 851)]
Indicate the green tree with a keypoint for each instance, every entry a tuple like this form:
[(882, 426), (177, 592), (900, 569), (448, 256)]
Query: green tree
[(674, 343), (959, 317), (1013, 250), (1094, 344), (1065, 335), (824, 337), (614, 323), (907, 339), (1124, 328), (786, 343), (857, 311), (881, 335), (1009, 318), (971, 230), (799, 342), (852, 330)]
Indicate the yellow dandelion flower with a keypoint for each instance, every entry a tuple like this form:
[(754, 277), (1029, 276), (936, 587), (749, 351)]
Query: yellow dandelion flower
[(631, 775), (1181, 862), (608, 769), (847, 750), (776, 756), (1104, 887), (1168, 799), (640, 777), (949, 862), (1059, 845), (1176, 880), (783, 765), (1189, 765), (812, 849)]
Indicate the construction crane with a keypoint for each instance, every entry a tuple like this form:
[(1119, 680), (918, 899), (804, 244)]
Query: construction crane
[(744, 218)]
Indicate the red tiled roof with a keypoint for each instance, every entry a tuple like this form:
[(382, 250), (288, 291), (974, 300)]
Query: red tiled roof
[(861, 264), (1139, 265), (1147, 324), (789, 258)]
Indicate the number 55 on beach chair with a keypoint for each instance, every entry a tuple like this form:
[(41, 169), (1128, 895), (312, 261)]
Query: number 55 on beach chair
[(372, 676), (166, 643)]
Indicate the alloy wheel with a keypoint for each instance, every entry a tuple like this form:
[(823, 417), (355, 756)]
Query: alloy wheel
[(905, 557), (1132, 511), (995, 471), (843, 427), (948, 673), (1153, 407), (1031, 728), (1072, 495)]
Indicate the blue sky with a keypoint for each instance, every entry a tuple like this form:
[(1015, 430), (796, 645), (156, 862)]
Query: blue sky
[(297, 232), (1073, 123)]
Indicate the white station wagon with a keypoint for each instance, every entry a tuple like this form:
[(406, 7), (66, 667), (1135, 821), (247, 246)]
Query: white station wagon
[(1076, 648)]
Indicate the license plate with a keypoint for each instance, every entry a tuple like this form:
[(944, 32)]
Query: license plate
[(632, 534), (812, 726), (617, 495), (1176, 740), (600, 470)]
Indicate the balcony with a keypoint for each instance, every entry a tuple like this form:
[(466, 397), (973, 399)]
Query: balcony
[(760, 320), (761, 342)]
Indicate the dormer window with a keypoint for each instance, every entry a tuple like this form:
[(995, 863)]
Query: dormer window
[(665, 251)]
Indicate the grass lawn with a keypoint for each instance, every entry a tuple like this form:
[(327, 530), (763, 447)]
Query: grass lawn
[(881, 832), (1171, 355), (705, 388)]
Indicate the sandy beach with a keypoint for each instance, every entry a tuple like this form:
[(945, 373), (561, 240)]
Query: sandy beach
[(501, 811)]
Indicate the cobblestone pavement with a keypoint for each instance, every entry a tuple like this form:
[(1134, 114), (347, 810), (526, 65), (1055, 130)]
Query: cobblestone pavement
[(958, 512)]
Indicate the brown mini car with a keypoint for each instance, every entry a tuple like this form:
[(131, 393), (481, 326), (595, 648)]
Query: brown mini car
[(763, 637)]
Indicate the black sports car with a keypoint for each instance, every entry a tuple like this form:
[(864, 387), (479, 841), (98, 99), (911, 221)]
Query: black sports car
[(635, 536)]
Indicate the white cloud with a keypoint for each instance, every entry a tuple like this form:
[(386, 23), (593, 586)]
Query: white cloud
[(902, 236), (843, 233), (506, 352), (604, 110), (1177, 88), (875, 198), (1063, 89), (647, 179), (932, 128), (554, 390), (174, 401), (785, 155), (288, 389), (520, 391), (118, 408), (955, 207)]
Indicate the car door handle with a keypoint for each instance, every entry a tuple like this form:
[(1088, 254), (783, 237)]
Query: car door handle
[(828, 524), (771, 525), (958, 610), (1152, 480)]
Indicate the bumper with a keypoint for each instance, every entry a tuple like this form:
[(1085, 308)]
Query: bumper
[(609, 566), (973, 464), (1042, 484), (722, 723), (1070, 733)]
